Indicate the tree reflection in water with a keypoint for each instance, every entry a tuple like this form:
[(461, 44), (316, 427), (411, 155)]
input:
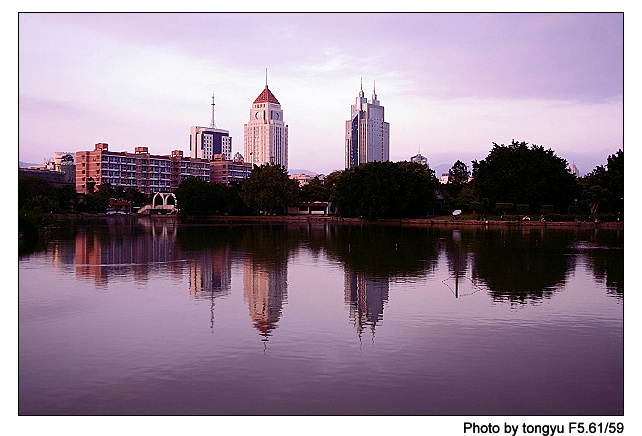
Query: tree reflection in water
[(522, 265), (513, 265), (604, 253)]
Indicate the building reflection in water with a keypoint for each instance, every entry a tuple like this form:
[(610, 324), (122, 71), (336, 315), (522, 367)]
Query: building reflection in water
[(210, 276), (265, 289), (366, 297), (123, 245)]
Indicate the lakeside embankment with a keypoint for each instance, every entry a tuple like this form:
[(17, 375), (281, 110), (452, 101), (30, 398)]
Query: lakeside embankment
[(218, 219), (417, 222)]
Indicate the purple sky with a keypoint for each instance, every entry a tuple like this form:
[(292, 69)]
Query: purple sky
[(451, 84)]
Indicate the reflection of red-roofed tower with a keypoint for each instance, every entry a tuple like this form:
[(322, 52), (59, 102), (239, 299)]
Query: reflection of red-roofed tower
[(266, 135), (265, 290)]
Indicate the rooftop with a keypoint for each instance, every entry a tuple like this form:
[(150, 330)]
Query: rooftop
[(266, 97)]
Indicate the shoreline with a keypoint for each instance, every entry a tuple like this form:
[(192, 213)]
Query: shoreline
[(416, 222)]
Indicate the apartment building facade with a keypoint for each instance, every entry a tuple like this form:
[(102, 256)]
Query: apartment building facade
[(141, 170), (229, 171)]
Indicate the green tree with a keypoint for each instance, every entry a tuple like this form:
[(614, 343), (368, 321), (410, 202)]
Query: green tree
[(385, 190), (136, 197), (269, 189), (97, 201), (67, 198), (465, 198), (458, 174), (91, 185), (41, 203), (234, 204), (520, 174), (30, 187), (315, 190), (595, 197), (196, 197), (615, 167), (610, 178)]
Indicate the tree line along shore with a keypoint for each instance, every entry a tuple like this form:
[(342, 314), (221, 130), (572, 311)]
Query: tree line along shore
[(515, 185)]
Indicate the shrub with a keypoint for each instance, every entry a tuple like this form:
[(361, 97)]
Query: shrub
[(504, 206), (546, 209), (447, 210), (476, 205), (608, 217), (523, 208), (574, 210)]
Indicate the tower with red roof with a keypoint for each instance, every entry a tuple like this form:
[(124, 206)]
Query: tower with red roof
[(265, 134)]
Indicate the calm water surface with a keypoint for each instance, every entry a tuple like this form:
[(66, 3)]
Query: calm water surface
[(156, 317)]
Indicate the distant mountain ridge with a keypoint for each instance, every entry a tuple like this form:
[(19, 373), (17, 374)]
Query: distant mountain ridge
[(441, 169), (298, 171), (22, 164)]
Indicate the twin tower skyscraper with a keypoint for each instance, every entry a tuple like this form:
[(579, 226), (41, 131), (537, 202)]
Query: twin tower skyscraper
[(367, 133), (265, 136)]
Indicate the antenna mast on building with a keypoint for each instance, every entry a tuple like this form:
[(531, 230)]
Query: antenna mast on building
[(213, 124)]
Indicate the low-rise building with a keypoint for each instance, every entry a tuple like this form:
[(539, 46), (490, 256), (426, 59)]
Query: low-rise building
[(312, 208), (141, 170), (229, 171), (119, 205), (304, 179)]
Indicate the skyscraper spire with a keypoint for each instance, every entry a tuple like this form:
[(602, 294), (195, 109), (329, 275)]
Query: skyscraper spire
[(361, 90), (213, 124), (266, 77), (374, 92)]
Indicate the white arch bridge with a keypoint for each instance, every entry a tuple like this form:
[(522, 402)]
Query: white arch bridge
[(162, 203)]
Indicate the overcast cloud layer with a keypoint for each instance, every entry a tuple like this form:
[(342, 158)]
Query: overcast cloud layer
[(451, 84)]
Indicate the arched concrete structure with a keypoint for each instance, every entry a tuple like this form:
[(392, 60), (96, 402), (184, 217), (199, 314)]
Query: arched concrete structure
[(162, 203), (167, 200)]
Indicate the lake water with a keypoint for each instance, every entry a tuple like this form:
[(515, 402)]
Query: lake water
[(155, 317)]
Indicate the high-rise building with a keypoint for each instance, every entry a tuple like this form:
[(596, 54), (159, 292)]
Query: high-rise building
[(367, 134), (266, 135), (418, 158), (205, 142)]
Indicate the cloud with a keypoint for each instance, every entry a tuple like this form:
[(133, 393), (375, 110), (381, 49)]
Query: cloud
[(447, 81)]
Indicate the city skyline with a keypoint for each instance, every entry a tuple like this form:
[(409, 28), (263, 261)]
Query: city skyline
[(453, 83)]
